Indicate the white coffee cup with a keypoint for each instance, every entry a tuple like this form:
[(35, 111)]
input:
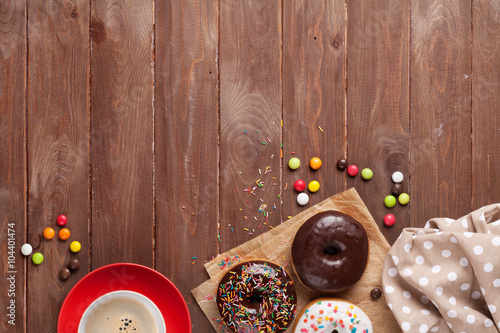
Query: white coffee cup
[(127, 304)]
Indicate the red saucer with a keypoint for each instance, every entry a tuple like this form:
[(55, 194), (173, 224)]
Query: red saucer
[(141, 279)]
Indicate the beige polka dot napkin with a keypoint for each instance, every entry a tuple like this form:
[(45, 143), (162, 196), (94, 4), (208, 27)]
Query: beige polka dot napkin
[(445, 277)]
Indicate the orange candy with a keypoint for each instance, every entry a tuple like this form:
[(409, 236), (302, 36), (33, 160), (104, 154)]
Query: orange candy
[(315, 163), (64, 233), (49, 233)]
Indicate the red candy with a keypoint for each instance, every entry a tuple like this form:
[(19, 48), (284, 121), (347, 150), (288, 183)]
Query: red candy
[(62, 220), (389, 220), (299, 185), (352, 170)]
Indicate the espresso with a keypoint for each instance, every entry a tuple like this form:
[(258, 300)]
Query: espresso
[(121, 315)]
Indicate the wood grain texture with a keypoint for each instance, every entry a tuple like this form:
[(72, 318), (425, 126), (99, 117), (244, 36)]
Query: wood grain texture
[(313, 96), (440, 109), (12, 164), (485, 102), (184, 95), (186, 144), (122, 132), (58, 152), (250, 100), (377, 103)]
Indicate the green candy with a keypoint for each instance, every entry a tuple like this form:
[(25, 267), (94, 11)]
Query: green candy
[(294, 163), (390, 201), (37, 258), (367, 174), (404, 198)]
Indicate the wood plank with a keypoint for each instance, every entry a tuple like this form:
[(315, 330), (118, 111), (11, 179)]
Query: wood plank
[(13, 164), (313, 97), (58, 151), (441, 109), (250, 100), (122, 132), (186, 144), (485, 102), (377, 103)]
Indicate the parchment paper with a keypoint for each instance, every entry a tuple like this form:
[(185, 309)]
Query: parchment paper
[(275, 245)]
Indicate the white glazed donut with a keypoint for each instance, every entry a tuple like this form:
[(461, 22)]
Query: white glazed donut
[(332, 315)]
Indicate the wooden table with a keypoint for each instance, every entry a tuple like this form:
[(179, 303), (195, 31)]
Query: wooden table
[(145, 121)]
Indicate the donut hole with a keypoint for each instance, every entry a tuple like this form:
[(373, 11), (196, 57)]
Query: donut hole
[(255, 298), (333, 250), (254, 302)]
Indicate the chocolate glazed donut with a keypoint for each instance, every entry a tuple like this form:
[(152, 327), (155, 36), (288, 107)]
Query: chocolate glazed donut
[(330, 252), (256, 296)]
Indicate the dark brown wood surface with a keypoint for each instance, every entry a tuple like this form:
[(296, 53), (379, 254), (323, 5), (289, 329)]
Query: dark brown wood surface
[(121, 156), (485, 102), (186, 144), (250, 119), (313, 97), (440, 79), (377, 103), (12, 164), (151, 124), (57, 147)]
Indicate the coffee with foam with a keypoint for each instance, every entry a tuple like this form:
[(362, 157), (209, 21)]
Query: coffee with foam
[(122, 312)]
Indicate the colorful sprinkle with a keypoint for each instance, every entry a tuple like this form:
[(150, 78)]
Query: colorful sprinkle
[(250, 280)]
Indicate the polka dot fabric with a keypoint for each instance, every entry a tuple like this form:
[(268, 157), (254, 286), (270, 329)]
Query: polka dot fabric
[(446, 277)]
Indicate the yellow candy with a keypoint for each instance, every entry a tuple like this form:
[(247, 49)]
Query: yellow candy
[(313, 186), (404, 198), (75, 246)]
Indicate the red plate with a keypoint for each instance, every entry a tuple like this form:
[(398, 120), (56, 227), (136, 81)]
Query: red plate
[(141, 279)]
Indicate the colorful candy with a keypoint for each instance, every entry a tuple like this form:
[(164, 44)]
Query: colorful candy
[(299, 185), (404, 198), (49, 233), (315, 163), (64, 274), (397, 177), (313, 186), (342, 164), (389, 220), (302, 199), (366, 174), (397, 189), (294, 163), (376, 293), (75, 246), (62, 220), (37, 258), (352, 170), (64, 233), (74, 264), (390, 201), (26, 249)]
